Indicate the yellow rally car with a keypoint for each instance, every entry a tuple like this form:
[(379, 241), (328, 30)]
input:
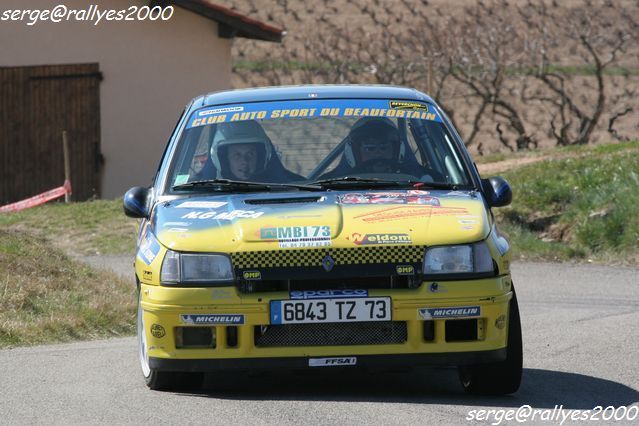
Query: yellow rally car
[(322, 227)]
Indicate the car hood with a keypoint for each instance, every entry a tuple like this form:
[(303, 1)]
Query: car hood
[(276, 221)]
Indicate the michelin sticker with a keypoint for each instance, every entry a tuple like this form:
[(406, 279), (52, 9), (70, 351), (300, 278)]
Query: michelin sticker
[(148, 248), (456, 312), (298, 236), (211, 319)]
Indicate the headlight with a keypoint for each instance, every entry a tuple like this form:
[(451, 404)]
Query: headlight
[(190, 268), (460, 259)]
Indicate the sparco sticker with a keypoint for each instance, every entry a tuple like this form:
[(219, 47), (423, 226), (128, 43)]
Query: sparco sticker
[(327, 294)]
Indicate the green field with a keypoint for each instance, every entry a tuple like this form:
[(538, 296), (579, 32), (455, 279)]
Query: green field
[(583, 206), (46, 296)]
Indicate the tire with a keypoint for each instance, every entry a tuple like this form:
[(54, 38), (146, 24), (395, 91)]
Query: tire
[(499, 378), (161, 380)]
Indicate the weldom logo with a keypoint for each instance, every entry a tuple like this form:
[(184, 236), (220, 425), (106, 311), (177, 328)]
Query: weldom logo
[(379, 239), (209, 319), (457, 312)]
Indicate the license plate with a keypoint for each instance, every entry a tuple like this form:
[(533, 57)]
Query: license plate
[(330, 310)]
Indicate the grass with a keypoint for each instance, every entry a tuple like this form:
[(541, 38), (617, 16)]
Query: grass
[(89, 228), (45, 296), (579, 207)]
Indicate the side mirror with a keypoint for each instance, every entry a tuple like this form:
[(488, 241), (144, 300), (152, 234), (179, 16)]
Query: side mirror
[(497, 191), (136, 202)]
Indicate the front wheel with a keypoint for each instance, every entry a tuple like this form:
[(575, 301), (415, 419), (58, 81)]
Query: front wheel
[(498, 378), (161, 380)]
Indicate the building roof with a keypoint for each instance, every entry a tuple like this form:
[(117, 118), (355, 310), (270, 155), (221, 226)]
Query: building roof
[(232, 23), (305, 92)]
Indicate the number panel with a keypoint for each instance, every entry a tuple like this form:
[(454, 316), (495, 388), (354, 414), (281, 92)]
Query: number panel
[(330, 310)]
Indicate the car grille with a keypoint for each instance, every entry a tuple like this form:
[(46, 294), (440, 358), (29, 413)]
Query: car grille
[(331, 334), (341, 256), (348, 283)]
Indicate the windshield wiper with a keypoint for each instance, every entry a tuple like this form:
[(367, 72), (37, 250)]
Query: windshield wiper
[(359, 182), (238, 185)]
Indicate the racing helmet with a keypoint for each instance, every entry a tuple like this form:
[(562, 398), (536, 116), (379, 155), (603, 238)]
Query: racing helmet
[(240, 132), (372, 128)]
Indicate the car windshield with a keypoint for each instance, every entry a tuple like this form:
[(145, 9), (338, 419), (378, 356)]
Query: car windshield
[(311, 144)]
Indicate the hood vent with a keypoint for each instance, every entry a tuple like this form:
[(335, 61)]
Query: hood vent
[(298, 200)]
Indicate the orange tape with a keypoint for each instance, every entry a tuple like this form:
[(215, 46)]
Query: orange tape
[(36, 200)]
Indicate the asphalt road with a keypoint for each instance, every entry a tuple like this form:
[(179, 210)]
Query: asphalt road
[(581, 349)]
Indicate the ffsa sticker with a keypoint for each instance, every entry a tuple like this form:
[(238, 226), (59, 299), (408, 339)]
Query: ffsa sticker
[(332, 362)]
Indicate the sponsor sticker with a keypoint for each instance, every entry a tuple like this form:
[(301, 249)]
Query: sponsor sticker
[(405, 105), (234, 214), (220, 110), (406, 212), (327, 294), (147, 275), (455, 312), (211, 319), (149, 247), (331, 362), (314, 108), (158, 331), (221, 293), (379, 239), (201, 204), (405, 269), (251, 275), (167, 224), (180, 179), (298, 236), (407, 197)]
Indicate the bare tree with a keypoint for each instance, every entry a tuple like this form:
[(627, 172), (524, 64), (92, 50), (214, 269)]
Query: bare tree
[(599, 33)]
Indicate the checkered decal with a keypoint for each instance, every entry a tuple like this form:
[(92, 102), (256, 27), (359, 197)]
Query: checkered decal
[(342, 256)]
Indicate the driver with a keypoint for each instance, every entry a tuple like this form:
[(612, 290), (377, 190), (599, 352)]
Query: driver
[(373, 146), (243, 151)]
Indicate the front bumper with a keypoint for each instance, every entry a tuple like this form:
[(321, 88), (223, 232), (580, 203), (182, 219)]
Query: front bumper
[(300, 363), (163, 307)]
